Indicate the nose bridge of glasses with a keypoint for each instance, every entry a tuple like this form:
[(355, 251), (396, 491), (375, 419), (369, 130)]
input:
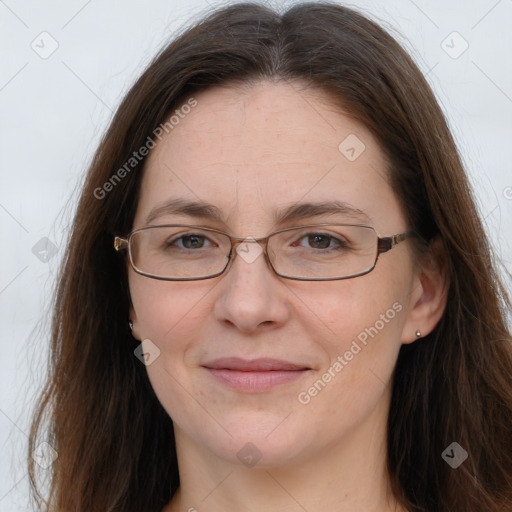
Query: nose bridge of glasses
[(236, 241), (249, 249)]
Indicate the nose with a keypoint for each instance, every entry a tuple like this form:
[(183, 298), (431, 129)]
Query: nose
[(252, 295)]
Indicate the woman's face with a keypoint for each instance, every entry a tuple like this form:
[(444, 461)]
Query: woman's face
[(251, 152)]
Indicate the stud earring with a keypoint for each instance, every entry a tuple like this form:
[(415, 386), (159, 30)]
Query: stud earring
[(418, 334), (130, 323)]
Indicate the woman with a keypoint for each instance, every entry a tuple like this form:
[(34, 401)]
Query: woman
[(277, 293)]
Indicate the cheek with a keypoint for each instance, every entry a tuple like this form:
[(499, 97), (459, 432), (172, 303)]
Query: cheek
[(361, 308), (174, 316), (171, 315), (361, 321), (162, 308)]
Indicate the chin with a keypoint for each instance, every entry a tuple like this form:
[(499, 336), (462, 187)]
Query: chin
[(263, 445)]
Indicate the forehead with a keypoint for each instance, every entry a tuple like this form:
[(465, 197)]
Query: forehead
[(253, 149)]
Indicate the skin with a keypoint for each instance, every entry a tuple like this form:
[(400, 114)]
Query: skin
[(248, 150)]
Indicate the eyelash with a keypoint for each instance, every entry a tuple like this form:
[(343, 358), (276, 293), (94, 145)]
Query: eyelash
[(341, 244)]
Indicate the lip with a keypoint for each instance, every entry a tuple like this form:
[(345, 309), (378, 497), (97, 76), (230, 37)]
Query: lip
[(254, 376), (255, 365)]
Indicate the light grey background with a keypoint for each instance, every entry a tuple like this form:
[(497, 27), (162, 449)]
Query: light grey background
[(54, 110)]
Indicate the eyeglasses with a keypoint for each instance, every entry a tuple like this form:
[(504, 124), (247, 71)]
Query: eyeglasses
[(316, 252)]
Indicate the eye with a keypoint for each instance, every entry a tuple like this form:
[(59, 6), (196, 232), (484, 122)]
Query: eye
[(319, 241), (188, 241)]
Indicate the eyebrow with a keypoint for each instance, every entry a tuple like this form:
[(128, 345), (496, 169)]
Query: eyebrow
[(294, 212)]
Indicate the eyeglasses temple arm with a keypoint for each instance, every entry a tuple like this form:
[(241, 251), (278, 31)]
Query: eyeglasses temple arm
[(387, 243)]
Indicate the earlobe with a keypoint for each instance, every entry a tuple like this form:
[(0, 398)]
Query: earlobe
[(133, 324), (428, 296)]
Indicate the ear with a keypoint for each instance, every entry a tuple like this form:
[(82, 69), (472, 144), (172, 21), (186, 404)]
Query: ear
[(429, 293), (135, 327)]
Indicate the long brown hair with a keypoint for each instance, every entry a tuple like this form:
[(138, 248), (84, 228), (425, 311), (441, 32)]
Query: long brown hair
[(115, 441)]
